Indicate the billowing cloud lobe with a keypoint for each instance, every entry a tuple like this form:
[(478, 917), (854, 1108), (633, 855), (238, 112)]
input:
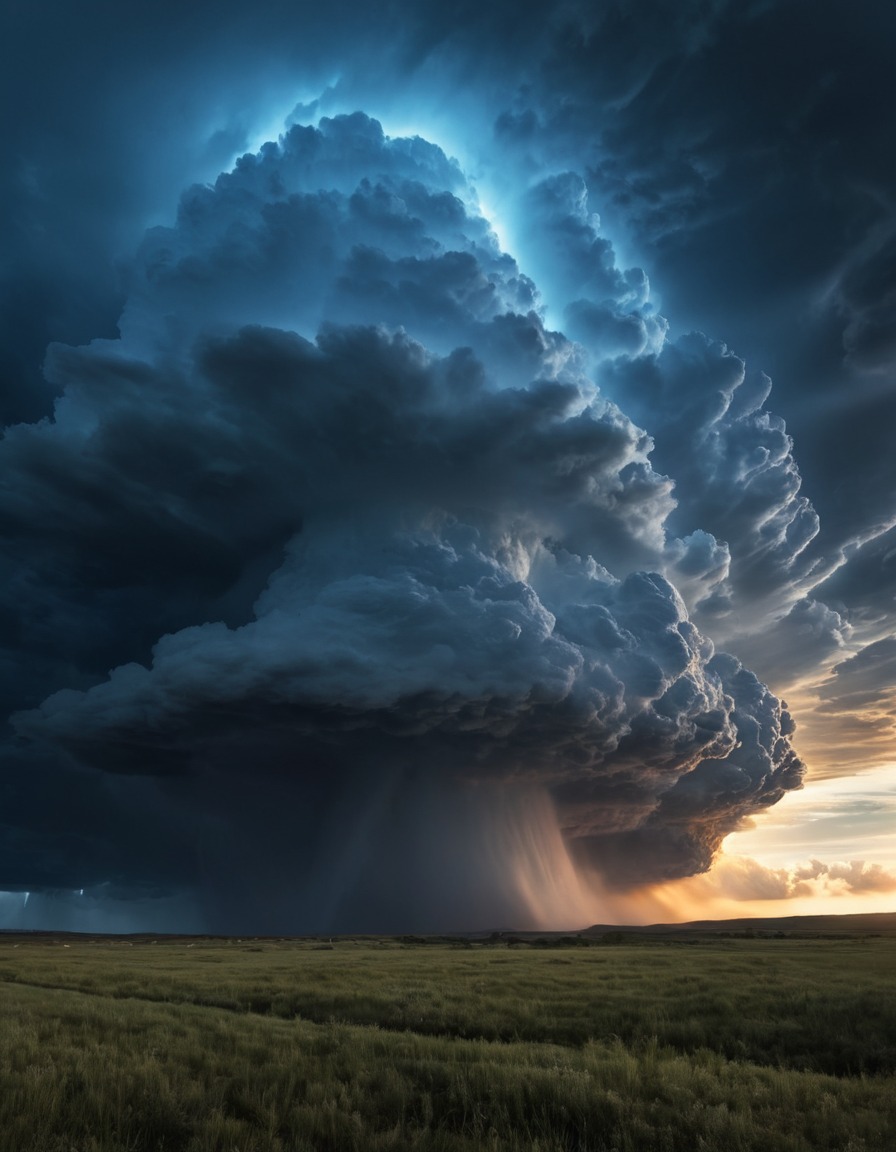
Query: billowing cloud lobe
[(382, 575)]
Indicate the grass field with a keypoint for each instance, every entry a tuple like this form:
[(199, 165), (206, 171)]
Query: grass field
[(202, 1045)]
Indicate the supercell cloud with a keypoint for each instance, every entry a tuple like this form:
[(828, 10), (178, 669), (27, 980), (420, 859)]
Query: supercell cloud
[(376, 573), (366, 543)]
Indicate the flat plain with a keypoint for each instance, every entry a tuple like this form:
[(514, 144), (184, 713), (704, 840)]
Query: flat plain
[(779, 1044)]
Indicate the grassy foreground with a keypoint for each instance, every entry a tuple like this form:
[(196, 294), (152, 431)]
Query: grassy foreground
[(219, 1046)]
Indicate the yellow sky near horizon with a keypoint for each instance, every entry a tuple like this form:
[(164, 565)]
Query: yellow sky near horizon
[(828, 848)]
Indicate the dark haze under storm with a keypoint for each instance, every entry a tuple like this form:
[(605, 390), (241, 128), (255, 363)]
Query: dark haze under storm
[(408, 596)]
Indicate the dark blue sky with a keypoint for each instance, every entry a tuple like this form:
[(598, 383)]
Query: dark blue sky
[(440, 502)]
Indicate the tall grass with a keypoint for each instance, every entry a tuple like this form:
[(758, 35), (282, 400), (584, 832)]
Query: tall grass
[(367, 1046), (825, 1006)]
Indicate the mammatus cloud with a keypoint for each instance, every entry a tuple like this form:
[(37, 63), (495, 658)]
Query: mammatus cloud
[(381, 571)]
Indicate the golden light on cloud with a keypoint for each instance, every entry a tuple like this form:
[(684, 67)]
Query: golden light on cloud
[(833, 818), (756, 875), (738, 886), (826, 849)]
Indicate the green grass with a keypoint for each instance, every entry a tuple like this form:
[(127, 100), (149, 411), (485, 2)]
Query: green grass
[(735, 1045)]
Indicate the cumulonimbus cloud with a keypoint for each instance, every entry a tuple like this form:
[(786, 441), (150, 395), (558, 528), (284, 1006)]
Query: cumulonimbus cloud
[(339, 507)]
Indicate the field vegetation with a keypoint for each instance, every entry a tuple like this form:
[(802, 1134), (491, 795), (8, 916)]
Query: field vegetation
[(783, 1045)]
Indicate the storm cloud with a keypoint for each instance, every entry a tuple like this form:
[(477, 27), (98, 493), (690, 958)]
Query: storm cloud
[(382, 549), (394, 557)]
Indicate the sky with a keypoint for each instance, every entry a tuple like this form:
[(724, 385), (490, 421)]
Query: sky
[(447, 478)]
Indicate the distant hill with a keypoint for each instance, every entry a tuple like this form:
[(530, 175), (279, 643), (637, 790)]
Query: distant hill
[(856, 924)]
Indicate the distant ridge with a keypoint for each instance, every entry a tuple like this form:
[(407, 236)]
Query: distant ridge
[(852, 924)]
